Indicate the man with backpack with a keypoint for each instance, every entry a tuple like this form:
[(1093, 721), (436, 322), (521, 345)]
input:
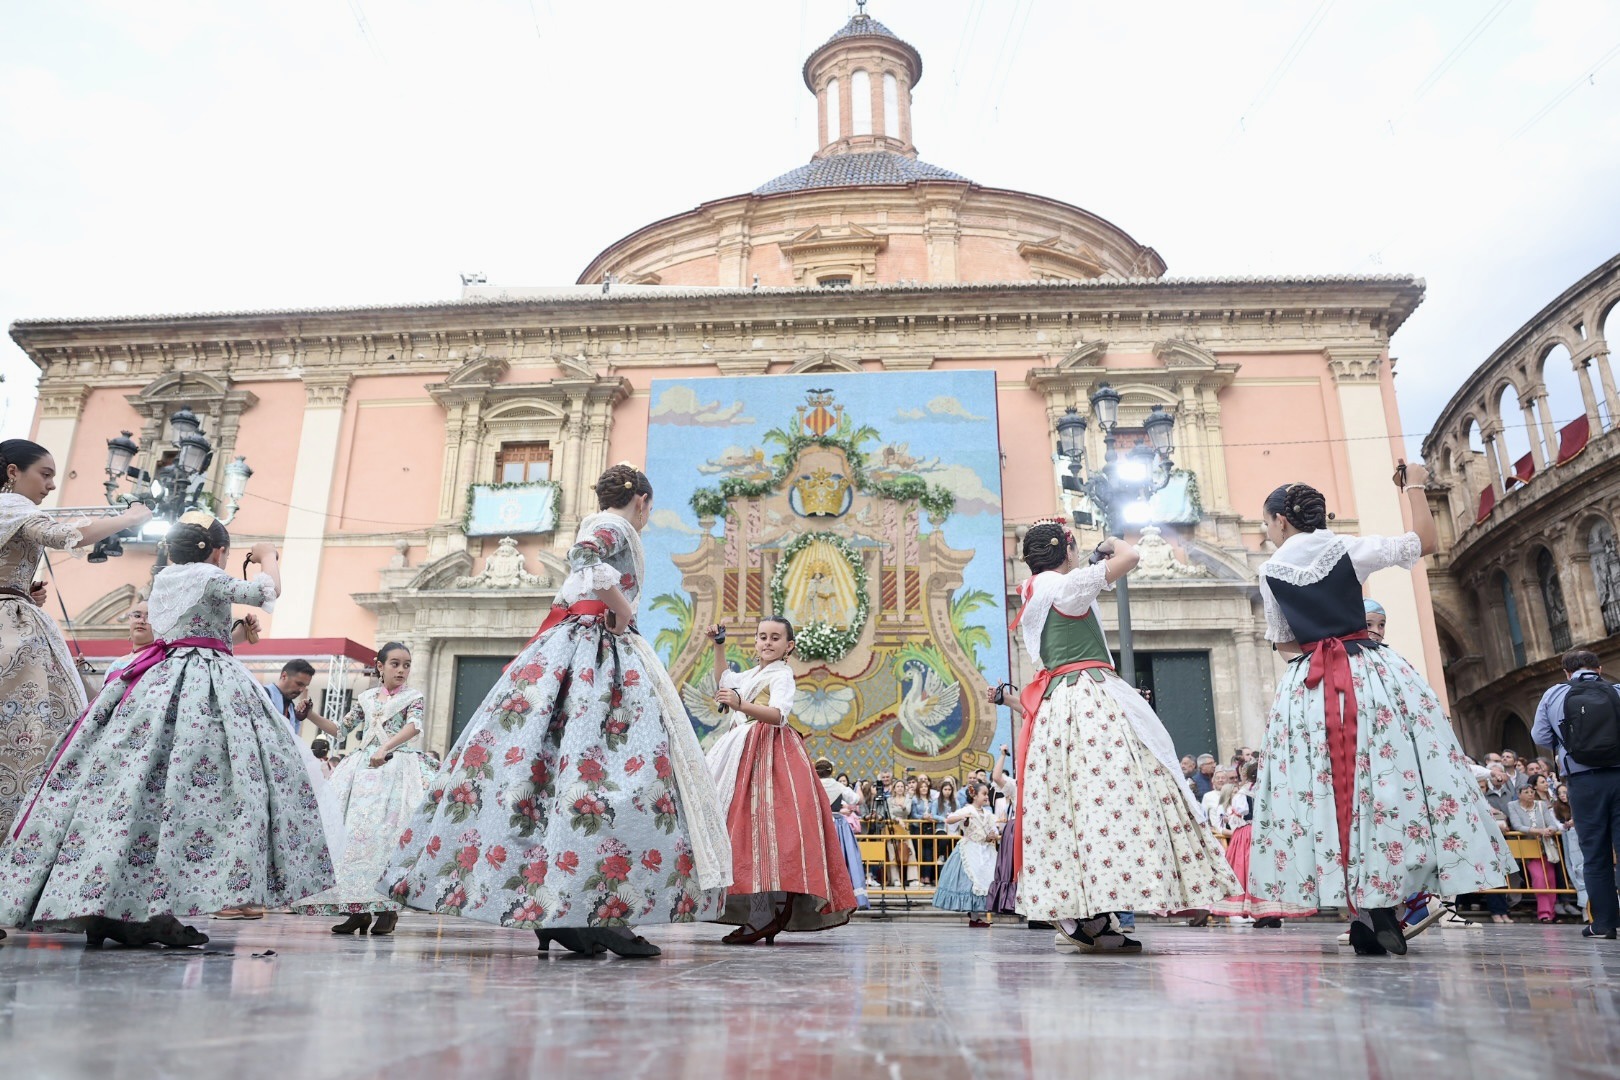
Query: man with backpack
[(1580, 719)]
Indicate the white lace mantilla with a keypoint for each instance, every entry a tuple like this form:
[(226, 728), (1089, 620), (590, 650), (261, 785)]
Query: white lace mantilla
[(180, 589)]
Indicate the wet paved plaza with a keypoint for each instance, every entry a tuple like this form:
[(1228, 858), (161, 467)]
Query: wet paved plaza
[(906, 998)]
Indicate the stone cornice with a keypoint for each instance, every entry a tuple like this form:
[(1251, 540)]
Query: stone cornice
[(664, 327)]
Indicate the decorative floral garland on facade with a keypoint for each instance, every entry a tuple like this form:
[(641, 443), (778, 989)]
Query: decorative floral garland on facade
[(472, 489), (818, 641)]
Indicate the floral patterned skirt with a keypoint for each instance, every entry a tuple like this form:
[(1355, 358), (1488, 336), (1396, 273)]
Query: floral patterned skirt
[(40, 696), (1105, 825), (783, 841), (189, 797), (1419, 823), (558, 806), (377, 805)]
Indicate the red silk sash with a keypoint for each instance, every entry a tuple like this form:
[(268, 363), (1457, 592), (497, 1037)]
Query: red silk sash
[(1330, 669), (1030, 698), (558, 613), (144, 661)]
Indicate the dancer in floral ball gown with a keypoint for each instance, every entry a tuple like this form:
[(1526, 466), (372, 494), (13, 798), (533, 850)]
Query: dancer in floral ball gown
[(1364, 795), (379, 786), (577, 802), (179, 792), (1107, 822), (788, 869)]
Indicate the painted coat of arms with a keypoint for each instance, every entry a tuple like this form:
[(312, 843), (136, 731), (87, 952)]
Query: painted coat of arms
[(873, 523)]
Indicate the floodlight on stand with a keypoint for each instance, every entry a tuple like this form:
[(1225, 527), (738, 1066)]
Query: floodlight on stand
[(182, 424), (120, 452), (1160, 427), (155, 529), (1071, 432), (1105, 406), (194, 451), (1139, 512), (1131, 469)]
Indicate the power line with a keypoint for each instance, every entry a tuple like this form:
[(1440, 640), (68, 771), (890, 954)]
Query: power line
[(1012, 61), (1451, 59), (1297, 46), (1586, 76)]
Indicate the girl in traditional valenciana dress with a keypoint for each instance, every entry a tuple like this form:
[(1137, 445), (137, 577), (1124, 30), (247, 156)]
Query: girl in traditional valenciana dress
[(378, 786), (577, 802), (966, 877), (41, 693), (1107, 822), (788, 870), (178, 792), (1364, 796)]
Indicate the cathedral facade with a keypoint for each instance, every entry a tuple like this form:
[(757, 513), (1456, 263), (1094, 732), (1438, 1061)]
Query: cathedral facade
[(425, 466)]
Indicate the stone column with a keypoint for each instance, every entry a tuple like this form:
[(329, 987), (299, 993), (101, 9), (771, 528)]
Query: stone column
[(310, 500), (1215, 490), (1252, 706), (1496, 443), (1538, 452), (1584, 374), (1606, 377), (1580, 595), (1549, 428), (59, 409), (1356, 376)]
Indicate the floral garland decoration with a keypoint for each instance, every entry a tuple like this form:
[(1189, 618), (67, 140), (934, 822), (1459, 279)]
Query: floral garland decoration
[(818, 641)]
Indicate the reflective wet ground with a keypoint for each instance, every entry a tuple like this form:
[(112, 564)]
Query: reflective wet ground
[(924, 998)]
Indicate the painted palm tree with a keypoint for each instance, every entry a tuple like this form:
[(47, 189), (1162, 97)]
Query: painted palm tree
[(672, 639), (971, 637)]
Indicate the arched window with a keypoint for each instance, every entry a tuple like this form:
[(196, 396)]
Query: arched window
[(835, 123), (891, 106), (860, 103), (1514, 628), (1606, 573), (1552, 599)]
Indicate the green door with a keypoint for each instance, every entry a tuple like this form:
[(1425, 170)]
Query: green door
[(475, 677), (1184, 698)]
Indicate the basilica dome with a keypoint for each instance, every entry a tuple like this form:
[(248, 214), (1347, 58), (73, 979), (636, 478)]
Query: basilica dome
[(866, 210)]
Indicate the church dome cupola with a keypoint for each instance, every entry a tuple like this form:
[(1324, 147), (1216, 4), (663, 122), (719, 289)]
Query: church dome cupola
[(862, 78)]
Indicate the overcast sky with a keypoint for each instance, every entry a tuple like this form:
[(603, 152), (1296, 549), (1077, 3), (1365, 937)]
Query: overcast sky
[(190, 155)]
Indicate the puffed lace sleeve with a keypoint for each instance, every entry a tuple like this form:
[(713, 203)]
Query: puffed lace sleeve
[(1369, 554), (258, 591), (783, 689), (58, 535), (589, 569), (1077, 590), (1277, 629)]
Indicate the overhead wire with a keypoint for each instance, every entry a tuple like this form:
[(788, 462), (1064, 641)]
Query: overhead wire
[(1587, 76), (1450, 60), (1291, 54)]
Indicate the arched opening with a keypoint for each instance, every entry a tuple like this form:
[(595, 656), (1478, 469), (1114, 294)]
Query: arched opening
[(835, 125), (891, 106), (1600, 544), (860, 103), (1515, 437), (1516, 736), (1564, 401), (1610, 330), (1514, 628), (1552, 600)]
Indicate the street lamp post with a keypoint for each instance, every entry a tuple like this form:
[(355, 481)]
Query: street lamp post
[(1120, 489)]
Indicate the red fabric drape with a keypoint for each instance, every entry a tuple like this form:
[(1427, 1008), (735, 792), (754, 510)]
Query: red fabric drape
[(1524, 469), (1572, 439), (1487, 503)]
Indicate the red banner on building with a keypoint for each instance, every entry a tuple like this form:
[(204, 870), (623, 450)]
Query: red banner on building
[(1572, 439), (1487, 503), (1523, 469)]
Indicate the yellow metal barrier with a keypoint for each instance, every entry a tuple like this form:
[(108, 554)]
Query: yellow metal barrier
[(903, 856)]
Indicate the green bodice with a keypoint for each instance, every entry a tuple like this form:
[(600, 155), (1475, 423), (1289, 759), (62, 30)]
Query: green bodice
[(1066, 639)]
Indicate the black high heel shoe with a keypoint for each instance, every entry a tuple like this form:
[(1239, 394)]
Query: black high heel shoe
[(170, 931), (569, 939), (354, 924), (164, 930), (386, 921), (621, 942)]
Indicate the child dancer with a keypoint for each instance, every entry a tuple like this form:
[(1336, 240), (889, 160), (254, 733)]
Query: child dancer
[(964, 880), (1107, 822), (788, 870), (844, 802), (140, 636), (577, 802), (178, 792), (379, 786), (1364, 796)]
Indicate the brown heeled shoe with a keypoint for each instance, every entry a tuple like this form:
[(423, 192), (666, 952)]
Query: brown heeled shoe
[(386, 921), (354, 924)]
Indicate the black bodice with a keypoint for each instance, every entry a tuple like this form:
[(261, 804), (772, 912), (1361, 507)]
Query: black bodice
[(1331, 607)]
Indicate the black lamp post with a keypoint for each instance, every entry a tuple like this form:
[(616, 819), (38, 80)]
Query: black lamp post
[(1117, 487)]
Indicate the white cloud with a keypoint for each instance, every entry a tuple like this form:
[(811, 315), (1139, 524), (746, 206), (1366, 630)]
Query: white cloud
[(943, 409), (671, 520), (680, 405), (973, 496)]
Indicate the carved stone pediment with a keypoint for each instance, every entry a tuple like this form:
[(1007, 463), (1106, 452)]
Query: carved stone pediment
[(835, 249), (1087, 355), (1181, 353), (1159, 560), (1052, 258)]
